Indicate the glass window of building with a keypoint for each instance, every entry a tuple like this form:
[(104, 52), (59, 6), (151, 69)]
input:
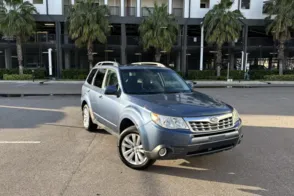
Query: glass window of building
[(204, 4), (37, 1), (245, 4)]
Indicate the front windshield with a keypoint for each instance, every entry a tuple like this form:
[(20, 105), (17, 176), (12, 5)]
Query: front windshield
[(152, 81)]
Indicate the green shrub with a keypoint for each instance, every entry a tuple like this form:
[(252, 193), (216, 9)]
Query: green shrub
[(17, 77), (233, 74), (39, 73), (201, 75), (260, 74), (75, 74), (279, 78)]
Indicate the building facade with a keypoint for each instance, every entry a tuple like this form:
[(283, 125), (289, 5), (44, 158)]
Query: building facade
[(190, 51)]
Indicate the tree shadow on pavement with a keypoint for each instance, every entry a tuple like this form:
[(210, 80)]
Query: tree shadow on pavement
[(262, 164)]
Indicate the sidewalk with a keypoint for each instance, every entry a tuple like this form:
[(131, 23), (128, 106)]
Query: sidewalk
[(25, 88)]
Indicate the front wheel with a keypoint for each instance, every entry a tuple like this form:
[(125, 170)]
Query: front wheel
[(87, 120), (131, 150)]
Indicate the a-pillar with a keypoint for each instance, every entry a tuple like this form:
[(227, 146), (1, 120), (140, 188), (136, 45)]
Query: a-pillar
[(8, 64), (123, 58)]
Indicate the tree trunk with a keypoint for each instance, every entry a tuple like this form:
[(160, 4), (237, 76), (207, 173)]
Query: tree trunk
[(90, 54), (19, 54), (281, 57), (157, 55), (218, 61)]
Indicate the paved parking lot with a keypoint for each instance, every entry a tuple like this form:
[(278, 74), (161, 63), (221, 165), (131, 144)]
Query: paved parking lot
[(64, 159)]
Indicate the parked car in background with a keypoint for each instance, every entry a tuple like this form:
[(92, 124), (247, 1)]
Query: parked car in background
[(156, 115)]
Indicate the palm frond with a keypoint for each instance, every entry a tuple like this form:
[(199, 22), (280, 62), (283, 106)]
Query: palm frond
[(159, 30)]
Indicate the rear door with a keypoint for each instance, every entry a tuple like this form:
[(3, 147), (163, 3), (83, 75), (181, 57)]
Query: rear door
[(97, 92)]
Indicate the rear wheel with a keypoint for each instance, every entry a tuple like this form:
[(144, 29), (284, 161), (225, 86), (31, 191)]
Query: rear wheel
[(87, 120), (131, 150)]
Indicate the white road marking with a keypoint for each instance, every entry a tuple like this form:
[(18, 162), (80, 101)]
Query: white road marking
[(30, 108), (20, 142)]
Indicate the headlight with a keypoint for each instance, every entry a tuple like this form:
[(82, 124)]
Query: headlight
[(169, 122), (236, 116)]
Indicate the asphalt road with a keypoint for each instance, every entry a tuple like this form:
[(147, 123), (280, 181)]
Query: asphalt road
[(64, 159)]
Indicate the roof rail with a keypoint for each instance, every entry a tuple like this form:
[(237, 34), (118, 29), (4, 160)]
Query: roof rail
[(103, 63), (149, 63)]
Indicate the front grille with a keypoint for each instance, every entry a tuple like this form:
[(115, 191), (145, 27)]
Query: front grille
[(203, 126)]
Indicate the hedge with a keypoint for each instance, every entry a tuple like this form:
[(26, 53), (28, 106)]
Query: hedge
[(17, 77), (38, 73), (234, 74), (75, 74), (211, 75), (279, 78)]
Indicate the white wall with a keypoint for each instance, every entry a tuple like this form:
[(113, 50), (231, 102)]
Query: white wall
[(255, 11), (55, 7), (41, 8)]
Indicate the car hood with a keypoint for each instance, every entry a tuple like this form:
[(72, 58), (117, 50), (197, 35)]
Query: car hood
[(181, 104)]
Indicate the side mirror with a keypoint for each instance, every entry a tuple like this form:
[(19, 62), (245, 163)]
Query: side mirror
[(190, 84), (111, 90)]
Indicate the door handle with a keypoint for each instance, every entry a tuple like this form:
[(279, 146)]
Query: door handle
[(100, 96), (88, 90)]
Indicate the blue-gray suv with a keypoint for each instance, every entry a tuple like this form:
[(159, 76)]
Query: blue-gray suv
[(156, 114)]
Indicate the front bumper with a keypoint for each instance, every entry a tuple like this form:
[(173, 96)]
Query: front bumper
[(184, 143)]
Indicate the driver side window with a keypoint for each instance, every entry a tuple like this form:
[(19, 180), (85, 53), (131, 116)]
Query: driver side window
[(111, 79)]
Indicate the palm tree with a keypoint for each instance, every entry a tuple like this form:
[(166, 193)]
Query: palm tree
[(159, 30), (222, 26), (281, 23), (88, 23), (17, 21)]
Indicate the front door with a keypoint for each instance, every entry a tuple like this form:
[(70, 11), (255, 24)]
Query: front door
[(110, 105)]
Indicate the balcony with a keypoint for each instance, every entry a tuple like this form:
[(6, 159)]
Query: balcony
[(145, 11), (114, 10), (131, 11), (178, 12), (133, 40)]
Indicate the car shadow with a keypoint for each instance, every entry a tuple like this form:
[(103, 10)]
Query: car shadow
[(255, 165)]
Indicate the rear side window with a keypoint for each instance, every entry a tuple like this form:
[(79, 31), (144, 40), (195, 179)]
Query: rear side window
[(99, 78), (91, 76)]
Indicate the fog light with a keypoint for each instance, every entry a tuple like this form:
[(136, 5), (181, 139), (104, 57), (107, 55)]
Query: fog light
[(162, 152)]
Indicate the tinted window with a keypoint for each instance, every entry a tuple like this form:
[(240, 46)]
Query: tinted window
[(151, 81), (111, 79), (99, 78), (91, 76)]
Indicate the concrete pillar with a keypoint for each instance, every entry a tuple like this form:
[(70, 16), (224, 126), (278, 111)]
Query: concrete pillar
[(8, 63), (170, 6), (58, 49), (184, 50), (67, 59), (77, 59), (138, 8), (186, 8), (122, 7), (123, 58), (201, 47), (178, 63)]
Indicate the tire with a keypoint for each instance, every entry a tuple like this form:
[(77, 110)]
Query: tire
[(87, 120), (128, 148)]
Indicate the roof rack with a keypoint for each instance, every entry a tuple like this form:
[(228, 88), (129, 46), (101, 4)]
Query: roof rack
[(149, 63)]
